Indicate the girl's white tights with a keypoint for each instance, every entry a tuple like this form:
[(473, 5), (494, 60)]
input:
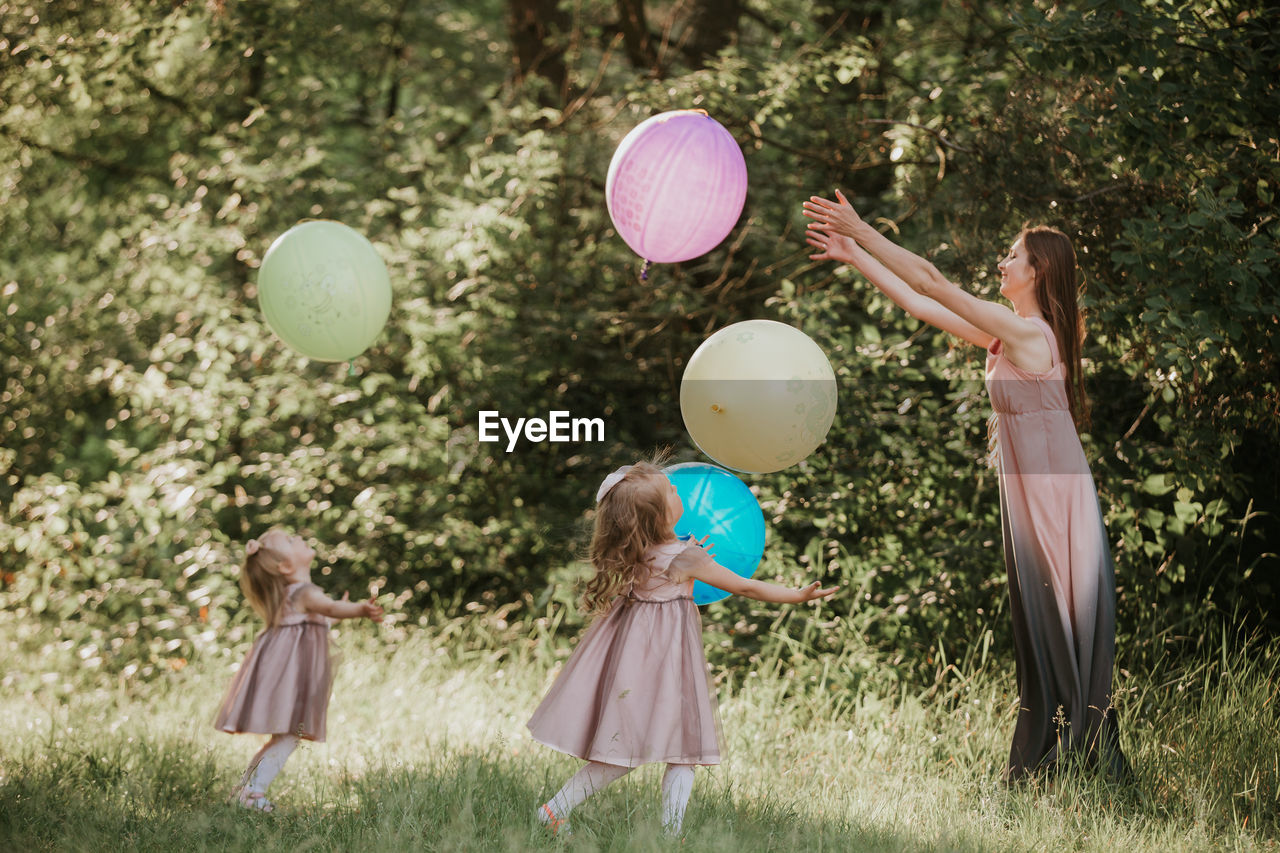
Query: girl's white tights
[(677, 785), (591, 778), (268, 762)]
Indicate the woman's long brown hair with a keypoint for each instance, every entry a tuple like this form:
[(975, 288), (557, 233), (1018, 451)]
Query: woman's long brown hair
[(1058, 291), (630, 519)]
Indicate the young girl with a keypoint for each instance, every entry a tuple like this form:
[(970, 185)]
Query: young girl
[(635, 690), (282, 688), (1061, 579)]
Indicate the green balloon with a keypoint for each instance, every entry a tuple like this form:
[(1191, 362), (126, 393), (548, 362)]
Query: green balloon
[(324, 290)]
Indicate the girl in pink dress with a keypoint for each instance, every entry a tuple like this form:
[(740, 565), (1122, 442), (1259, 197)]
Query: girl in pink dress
[(282, 688), (1061, 579), (635, 690)]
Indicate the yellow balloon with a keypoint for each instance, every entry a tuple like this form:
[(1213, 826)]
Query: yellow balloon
[(324, 290), (758, 396)]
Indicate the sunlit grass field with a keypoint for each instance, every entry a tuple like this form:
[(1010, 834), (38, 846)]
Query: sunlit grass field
[(427, 750)]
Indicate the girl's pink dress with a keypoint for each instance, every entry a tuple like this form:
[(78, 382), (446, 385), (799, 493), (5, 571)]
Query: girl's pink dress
[(283, 685), (1061, 581), (636, 689)]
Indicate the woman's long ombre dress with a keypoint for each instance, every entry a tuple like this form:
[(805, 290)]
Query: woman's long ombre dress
[(1061, 579)]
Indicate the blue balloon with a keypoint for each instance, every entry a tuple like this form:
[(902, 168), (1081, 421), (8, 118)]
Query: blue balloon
[(720, 506)]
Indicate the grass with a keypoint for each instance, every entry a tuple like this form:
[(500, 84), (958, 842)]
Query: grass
[(428, 750)]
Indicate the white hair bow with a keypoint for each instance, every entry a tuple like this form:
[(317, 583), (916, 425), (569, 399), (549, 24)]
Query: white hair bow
[(611, 481), (251, 547)]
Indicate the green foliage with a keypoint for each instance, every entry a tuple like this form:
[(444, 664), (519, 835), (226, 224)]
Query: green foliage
[(151, 421)]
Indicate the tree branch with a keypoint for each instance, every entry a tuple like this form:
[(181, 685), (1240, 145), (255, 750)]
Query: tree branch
[(934, 133), (85, 161)]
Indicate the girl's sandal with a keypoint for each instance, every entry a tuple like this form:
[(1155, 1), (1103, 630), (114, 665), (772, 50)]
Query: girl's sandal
[(559, 826), (255, 800)]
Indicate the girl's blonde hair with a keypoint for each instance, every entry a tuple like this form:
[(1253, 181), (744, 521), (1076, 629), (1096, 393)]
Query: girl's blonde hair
[(630, 519), (261, 577)]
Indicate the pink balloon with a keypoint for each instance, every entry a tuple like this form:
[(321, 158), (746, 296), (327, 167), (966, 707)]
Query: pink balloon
[(676, 186)]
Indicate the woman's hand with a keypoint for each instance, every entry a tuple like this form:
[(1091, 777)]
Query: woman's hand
[(831, 246), (837, 216)]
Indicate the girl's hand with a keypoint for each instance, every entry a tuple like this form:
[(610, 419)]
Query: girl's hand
[(313, 600), (370, 610), (811, 592), (838, 216)]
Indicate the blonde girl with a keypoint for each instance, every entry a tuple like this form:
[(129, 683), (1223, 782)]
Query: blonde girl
[(282, 688), (635, 690)]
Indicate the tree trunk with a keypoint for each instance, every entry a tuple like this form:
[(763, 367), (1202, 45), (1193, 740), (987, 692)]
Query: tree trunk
[(635, 34), (396, 53), (534, 27), (713, 26)]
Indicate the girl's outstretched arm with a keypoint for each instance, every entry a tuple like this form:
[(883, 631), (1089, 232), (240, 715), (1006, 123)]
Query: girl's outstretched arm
[(696, 563), (838, 247), (312, 600)]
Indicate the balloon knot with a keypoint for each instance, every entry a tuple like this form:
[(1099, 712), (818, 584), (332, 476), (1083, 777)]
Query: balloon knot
[(715, 407), (644, 271)]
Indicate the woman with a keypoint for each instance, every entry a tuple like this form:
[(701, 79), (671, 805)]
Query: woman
[(1061, 580)]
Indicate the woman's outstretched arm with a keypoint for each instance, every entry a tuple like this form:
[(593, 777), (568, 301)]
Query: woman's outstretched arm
[(837, 247), (1023, 340)]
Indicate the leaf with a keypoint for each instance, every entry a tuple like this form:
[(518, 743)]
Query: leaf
[(1186, 512)]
